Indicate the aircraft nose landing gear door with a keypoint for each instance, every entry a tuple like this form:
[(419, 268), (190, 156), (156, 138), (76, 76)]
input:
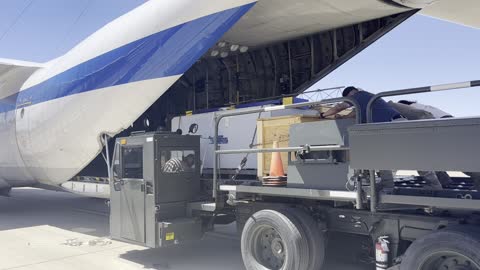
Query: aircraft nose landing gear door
[(128, 193)]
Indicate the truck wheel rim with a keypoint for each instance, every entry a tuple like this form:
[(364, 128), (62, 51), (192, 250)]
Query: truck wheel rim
[(449, 260), (268, 248)]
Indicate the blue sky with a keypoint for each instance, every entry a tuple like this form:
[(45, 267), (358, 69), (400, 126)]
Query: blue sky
[(422, 51)]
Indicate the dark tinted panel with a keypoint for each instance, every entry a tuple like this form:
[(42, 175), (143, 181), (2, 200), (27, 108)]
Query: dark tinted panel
[(132, 159)]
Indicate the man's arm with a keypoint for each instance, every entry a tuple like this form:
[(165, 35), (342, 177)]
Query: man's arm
[(352, 114), (336, 109)]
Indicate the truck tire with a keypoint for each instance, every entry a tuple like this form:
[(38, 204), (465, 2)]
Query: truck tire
[(449, 249), (315, 238), (274, 240)]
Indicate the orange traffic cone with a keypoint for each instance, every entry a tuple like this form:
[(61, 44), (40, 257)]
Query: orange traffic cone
[(276, 164), (277, 175)]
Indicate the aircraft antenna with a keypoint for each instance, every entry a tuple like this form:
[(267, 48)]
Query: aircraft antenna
[(15, 21), (75, 22)]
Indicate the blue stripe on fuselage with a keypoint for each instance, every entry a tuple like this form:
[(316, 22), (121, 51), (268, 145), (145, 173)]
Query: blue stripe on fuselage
[(167, 53), (8, 103)]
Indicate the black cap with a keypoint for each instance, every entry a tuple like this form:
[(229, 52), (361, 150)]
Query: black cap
[(347, 90), (406, 102)]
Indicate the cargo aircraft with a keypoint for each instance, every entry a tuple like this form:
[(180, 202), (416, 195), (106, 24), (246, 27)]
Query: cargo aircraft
[(170, 56)]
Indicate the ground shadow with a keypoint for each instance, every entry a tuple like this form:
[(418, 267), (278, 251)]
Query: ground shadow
[(28, 207), (212, 252)]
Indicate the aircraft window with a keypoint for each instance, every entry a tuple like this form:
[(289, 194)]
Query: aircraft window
[(178, 161), (132, 159)]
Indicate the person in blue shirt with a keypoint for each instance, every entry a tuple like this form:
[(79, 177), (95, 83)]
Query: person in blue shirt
[(381, 112)]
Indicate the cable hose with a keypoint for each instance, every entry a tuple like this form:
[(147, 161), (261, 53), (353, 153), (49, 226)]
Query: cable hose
[(15, 21), (244, 161), (75, 22)]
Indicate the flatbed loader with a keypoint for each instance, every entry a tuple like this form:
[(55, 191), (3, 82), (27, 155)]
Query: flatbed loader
[(331, 187)]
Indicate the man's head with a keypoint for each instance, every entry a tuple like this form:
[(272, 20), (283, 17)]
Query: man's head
[(406, 102), (350, 91), (189, 160)]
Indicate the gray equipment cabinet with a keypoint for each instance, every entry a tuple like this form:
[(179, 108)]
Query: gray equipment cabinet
[(320, 169), (154, 177), (427, 145)]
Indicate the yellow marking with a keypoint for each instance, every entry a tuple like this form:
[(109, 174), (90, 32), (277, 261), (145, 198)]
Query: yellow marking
[(188, 112), (123, 141), (287, 100), (170, 236)]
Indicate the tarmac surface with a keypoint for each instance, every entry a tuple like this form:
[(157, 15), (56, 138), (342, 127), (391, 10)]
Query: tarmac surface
[(42, 230)]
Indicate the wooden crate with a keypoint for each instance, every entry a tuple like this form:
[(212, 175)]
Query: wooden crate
[(276, 129)]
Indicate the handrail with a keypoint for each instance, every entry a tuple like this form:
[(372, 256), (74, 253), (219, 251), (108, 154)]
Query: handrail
[(283, 149), (425, 89), (219, 117)]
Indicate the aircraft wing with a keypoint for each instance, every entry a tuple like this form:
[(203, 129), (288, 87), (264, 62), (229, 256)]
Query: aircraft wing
[(271, 21), (13, 74), (7, 65), (464, 12)]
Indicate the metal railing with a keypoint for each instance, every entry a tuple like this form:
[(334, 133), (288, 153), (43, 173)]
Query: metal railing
[(417, 90), (283, 149), (359, 191), (219, 117), (407, 91)]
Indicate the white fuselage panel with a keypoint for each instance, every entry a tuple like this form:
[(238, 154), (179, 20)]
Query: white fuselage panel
[(52, 119)]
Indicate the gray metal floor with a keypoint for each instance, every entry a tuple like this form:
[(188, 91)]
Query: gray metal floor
[(42, 229)]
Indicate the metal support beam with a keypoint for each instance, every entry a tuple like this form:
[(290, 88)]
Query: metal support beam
[(314, 194), (373, 192), (312, 56), (215, 156), (283, 149), (290, 66), (444, 203), (207, 86), (105, 138), (194, 92), (359, 198)]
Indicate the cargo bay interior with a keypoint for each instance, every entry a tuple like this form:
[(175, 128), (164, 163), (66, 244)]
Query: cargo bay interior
[(235, 74)]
